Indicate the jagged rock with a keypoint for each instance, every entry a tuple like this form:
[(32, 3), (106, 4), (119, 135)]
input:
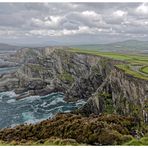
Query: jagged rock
[(79, 76)]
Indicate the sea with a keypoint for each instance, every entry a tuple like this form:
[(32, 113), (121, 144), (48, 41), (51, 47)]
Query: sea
[(32, 109)]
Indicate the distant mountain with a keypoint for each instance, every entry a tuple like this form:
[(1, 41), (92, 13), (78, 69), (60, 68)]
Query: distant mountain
[(129, 46), (7, 47), (37, 43), (125, 46), (31, 44)]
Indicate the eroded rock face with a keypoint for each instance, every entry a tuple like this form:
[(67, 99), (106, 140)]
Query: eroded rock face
[(120, 93), (130, 95), (51, 69), (78, 76)]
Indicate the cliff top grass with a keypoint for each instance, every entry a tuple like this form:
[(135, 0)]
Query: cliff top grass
[(132, 59), (144, 69), (127, 70), (141, 59)]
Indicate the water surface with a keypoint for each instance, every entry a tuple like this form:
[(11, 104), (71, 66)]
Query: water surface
[(32, 109), (8, 70)]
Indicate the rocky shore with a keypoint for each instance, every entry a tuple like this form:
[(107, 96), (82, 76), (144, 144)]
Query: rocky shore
[(78, 76)]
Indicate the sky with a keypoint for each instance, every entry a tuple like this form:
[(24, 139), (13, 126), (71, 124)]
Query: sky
[(72, 23)]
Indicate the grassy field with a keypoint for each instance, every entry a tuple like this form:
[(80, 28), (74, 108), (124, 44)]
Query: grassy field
[(144, 69), (133, 60)]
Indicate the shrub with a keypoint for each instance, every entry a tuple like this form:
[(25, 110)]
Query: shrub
[(144, 140), (100, 129), (126, 138), (133, 142)]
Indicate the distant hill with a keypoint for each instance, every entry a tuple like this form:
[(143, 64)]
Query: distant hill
[(41, 43), (7, 47), (129, 46), (125, 46)]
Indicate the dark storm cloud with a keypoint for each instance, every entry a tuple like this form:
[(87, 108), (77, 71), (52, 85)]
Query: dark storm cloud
[(72, 21)]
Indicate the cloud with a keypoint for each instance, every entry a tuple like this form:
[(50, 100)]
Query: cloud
[(48, 21), (142, 9), (119, 13), (91, 14), (72, 21)]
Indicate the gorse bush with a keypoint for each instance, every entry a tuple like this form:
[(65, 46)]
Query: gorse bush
[(94, 130)]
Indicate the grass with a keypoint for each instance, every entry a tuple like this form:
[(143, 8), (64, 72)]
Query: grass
[(144, 69), (66, 77), (116, 56), (127, 70), (141, 142), (42, 142), (131, 59)]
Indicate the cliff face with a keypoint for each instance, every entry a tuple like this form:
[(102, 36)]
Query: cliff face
[(120, 93), (78, 76), (51, 69)]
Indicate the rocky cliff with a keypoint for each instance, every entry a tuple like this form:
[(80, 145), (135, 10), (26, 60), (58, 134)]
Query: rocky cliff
[(52, 69), (78, 76), (120, 93)]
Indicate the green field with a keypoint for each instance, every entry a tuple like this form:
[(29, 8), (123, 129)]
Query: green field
[(137, 65), (144, 69)]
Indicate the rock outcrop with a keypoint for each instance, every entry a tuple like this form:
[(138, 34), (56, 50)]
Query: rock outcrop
[(51, 69), (78, 76), (120, 93)]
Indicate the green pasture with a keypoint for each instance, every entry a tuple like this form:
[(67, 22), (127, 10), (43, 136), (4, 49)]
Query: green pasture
[(131, 60)]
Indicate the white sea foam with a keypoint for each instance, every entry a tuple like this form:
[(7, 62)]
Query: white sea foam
[(11, 101), (67, 111), (30, 98), (34, 109), (57, 100), (44, 104), (28, 116), (55, 108), (11, 94), (80, 102), (51, 95), (33, 120), (13, 125)]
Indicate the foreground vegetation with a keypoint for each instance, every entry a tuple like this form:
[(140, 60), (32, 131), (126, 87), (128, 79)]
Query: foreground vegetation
[(135, 142), (48, 142), (72, 129)]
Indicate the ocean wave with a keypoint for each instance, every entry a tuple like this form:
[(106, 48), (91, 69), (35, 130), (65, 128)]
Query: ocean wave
[(10, 94), (34, 120), (33, 109), (30, 98), (51, 95), (57, 100), (80, 102), (11, 101)]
